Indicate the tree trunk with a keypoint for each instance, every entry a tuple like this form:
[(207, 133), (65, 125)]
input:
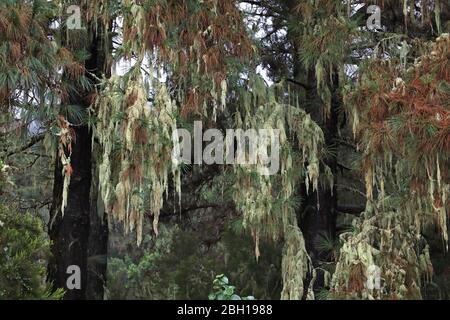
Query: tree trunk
[(80, 237), (98, 241), (320, 207), (318, 213), (69, 233)]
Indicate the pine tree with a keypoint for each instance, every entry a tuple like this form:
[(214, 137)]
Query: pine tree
[(337, 87)]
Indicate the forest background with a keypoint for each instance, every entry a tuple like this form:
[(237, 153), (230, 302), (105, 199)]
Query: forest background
[(91, 93)]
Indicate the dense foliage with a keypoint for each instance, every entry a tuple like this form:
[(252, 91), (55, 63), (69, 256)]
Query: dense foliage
[(362, 114), (24, 249)]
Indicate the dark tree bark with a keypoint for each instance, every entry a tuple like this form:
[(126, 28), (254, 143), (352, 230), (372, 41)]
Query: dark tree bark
[(69, 233), (319, 212), (98, 241), (99, 228), (317, 215), (80, 237)]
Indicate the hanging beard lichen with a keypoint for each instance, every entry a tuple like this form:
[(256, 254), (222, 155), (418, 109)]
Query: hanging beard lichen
[(198, 45), (296, 266), (65, 135), (268, 202), (194, 45), (403, 127), (383, 258), (137, 142)]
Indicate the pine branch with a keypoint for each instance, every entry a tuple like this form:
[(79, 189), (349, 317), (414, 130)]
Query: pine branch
[(34, 140), (299, 83)]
